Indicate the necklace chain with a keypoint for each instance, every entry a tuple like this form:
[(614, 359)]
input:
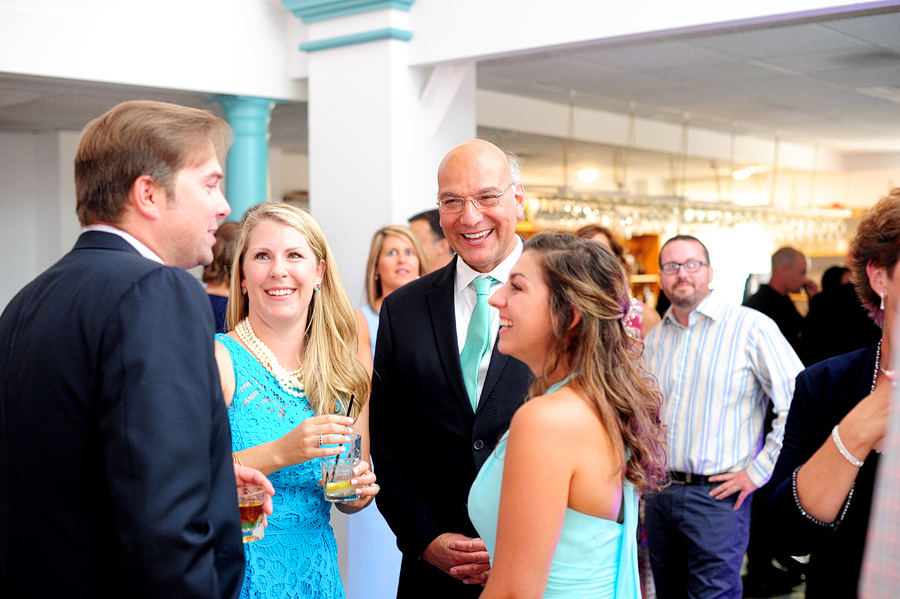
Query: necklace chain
[(291, 382), (877, 366), (875, 376)]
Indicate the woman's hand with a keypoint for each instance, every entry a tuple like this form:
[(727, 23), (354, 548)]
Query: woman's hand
[(305, 442), (863, 428), (366, 488)]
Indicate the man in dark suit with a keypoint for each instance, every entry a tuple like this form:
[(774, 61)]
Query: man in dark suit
[(116, 477), (428, 440), (773, 299), (427, 228)]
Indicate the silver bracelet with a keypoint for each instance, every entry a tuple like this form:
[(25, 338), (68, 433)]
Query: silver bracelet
[(840, 446)]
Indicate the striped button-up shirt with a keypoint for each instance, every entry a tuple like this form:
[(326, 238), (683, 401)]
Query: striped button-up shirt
[(717, 376)]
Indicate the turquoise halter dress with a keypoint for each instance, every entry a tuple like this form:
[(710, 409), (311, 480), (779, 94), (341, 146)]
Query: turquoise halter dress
[(596, 558)]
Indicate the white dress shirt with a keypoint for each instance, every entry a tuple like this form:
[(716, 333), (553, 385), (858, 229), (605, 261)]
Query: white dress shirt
[(464, 299)]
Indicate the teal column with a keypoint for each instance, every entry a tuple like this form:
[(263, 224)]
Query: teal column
[(247, 166)]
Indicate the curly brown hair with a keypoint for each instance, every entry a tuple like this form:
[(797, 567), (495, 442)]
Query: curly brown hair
[(585, 278), (877, 242)]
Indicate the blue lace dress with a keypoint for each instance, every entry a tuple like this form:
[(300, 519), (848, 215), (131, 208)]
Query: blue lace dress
[(298, 556)]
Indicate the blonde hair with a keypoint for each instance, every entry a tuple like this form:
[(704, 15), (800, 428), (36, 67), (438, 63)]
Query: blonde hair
[(373, 285), (331, 372), (586, 278)]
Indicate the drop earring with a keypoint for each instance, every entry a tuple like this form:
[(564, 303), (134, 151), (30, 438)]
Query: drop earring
[(882, 300)]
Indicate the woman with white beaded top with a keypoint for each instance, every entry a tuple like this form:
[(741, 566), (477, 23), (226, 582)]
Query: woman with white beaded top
[(822, 486), (290, 373)]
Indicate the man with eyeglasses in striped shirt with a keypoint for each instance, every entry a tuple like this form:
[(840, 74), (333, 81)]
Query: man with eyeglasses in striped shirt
[(718, 367)]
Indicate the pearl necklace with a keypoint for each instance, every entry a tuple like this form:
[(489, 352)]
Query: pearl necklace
[(291, 382)]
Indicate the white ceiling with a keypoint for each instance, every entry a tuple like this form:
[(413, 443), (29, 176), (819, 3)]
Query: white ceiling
[(833, 82), (35, 104)]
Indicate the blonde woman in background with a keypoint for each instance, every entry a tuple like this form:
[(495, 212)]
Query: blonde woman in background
[(396, 258), (293, 383)]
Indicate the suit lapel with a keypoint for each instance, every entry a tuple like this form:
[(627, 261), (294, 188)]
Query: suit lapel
[(442, 309)]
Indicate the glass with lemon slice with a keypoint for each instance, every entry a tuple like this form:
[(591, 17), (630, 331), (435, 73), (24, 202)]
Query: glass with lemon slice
[(337, 471)]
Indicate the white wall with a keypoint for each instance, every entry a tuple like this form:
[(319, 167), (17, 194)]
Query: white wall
[(37, 205), (540, 117), (17, 213), (287, 172)]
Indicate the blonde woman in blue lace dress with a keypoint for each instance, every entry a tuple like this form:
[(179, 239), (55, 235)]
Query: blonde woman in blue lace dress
[(289, 368)]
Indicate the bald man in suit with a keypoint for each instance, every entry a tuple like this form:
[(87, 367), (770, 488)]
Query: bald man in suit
[(430, 434)]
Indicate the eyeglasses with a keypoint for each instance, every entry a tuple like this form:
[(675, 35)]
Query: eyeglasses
[(691, 266), (482, 201)]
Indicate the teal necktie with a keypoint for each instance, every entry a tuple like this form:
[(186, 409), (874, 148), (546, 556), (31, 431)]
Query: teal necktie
[(477, 338)]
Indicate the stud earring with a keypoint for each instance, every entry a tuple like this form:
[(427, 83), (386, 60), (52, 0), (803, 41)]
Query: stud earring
[(318, 287), (243, 290), (882, 300)]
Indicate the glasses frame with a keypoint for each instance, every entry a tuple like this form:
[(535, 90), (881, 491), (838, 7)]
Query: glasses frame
[(496, 200), (681, 265)]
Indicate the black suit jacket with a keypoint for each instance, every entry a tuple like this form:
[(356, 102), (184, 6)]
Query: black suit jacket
[(427, 443), (823, 395), (115, 469)]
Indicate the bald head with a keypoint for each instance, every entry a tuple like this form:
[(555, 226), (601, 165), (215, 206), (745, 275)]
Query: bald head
[(788, 271), (482, 237), (787, 256), (476, 150)]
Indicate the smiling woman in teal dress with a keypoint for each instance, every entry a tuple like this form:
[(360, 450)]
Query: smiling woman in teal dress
[(556, 504)]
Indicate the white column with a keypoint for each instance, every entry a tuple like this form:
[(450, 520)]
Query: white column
[(377, 132)]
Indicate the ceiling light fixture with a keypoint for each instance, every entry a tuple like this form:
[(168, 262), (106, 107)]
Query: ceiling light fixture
[(588, 174), (741, 174)]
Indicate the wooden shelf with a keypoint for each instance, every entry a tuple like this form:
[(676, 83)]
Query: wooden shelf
[(642, 279)]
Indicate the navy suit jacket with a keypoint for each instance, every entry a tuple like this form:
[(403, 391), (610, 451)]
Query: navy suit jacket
[(115, 469), (427, 443), (823, 395)]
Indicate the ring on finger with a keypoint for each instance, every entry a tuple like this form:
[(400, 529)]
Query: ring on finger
[(320, 440)]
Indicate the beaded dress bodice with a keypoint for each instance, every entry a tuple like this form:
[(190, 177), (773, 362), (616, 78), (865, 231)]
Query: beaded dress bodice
[(298, 556)]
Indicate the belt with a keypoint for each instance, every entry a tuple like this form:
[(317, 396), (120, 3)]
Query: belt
[(686, 478)]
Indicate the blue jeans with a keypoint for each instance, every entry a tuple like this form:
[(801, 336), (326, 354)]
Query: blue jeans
[(696, 543)]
